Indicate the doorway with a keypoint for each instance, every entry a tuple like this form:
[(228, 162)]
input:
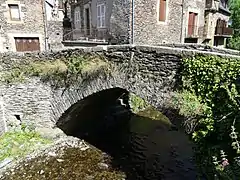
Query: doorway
[(87, 20)]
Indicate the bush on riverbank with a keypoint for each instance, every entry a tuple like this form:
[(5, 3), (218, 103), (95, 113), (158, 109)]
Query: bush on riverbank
[(136, 103), (210, 94)]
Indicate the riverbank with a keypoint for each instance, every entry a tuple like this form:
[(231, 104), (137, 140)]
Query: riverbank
[(67, 158)]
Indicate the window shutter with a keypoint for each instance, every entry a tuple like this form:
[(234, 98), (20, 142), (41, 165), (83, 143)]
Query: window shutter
[(103, 11), (190, 23), (192, 20), (162, 10), (98, 16)]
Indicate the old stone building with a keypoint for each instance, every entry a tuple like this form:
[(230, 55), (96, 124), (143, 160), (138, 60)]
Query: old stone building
[(217, 16), (193, 21), (29, 25), (150, 21), (99, 21)]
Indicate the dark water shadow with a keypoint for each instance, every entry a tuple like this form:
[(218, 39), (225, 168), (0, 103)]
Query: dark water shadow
[(141, 147), (144, 148)]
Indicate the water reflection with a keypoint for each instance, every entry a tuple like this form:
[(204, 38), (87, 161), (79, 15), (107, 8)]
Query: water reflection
[(140, 146)]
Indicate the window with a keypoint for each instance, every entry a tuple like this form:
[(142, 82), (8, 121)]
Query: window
[(77, 18), (192, 23), (60, 4), (14, 12), (162, 10), (101, 10)]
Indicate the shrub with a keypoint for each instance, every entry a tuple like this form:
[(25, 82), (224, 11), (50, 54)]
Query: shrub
[(210, 97)]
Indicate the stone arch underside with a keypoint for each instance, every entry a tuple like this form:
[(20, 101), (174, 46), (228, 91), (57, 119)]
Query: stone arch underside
[(156, 93)]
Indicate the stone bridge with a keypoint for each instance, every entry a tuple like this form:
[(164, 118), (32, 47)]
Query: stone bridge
[(149, 72)]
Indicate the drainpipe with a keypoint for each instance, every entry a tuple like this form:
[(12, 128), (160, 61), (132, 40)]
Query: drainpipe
[(45, 25), (182, 28), (132, 22), (3, 114)]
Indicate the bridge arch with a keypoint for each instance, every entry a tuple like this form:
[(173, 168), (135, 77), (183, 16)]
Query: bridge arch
[(63, 100)]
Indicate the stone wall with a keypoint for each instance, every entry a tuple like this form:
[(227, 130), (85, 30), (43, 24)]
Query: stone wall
[(120, 21), (147, 28), (55, 34), (29, 101), (150, 72), (30, 25)]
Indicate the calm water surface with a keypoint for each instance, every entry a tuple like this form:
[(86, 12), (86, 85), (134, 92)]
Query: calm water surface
[(144, 146)]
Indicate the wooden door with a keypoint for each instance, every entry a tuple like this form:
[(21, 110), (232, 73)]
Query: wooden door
[(27, 44)]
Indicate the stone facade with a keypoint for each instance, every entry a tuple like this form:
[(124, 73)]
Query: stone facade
[(211, 18), (149, 72), (55, 34), (142, 26), (31, 24), (198, 7), (29, 100), (148, 29)]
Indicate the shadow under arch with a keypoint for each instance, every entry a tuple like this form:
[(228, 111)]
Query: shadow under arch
[(141, 147), (91, 107)]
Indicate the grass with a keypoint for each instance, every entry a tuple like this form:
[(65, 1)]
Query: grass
[(19, 143), (60, 70), (154, 114), (137, 104)]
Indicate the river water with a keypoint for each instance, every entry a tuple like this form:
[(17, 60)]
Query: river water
[(145, 146), (141, 146)]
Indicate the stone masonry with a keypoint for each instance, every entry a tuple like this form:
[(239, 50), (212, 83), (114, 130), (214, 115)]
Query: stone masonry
[(147, 28), (30, 25), (150, 72), (55, 34)]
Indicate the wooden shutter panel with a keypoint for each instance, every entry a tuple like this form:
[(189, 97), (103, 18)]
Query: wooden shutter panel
[(162, 10), (190, 23)]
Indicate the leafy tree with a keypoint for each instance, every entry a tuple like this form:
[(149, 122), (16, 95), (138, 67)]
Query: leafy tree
[(234, 42)]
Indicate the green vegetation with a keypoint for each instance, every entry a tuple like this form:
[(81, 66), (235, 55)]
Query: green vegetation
[(154, 114), (137, 104), (234, 42), (140, 107), (210, 101), (17, 144), (61, 71)]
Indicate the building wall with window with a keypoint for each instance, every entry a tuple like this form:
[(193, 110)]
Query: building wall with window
[(90, 19), (193, 21), (22, 25), (157, 21), (222, 14)]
